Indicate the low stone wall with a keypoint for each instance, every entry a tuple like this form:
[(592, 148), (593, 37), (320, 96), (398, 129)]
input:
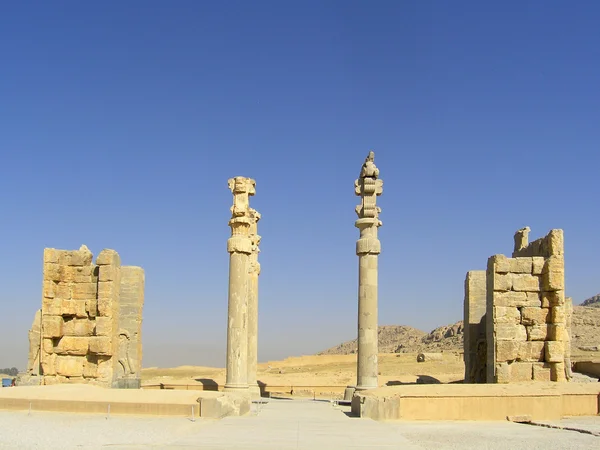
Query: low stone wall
[(540, 401)]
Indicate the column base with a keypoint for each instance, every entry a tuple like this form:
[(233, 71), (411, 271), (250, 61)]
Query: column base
[(348, 393), (365, 387), (254, 390), (236, 388)]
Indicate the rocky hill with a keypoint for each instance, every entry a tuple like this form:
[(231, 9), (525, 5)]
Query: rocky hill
[(592, 301), (585, 336)]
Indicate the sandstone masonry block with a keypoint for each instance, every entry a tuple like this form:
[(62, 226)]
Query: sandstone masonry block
[(503, 282), (557, 332), (507, 315), (52, 272), (537, 332), (77, 327), (531, 351), (534, 316), (521, 371), (503, 373), (101, 345), (69, 366), (71, 345), (501, 264), (553, 281), (83, 291), (520, 265), (557, 372), (558, 315), (555, 351), (506, 350), (52, 306), (525, 282), (541, 372), (538, 263), (52, 326), (104, 326), (51, 255), (108, 257), (48, 363), (506, 332)]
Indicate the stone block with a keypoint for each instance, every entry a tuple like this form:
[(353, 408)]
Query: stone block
[(557, 332), (521, 265), (502, 282), (48, 289), (507, 315), (541, 372), (104, 326), (91, 307), (521, 371), (69, 366), (76, 258), (105, 306), (83, 291), (72, 345), (506, 350), (51, 255), (537, 332), (63, 291), (69, 308), (52, 306), (531, 351), (538, 263), (52, 326), (553, 281), (48, 345), (555, 298), (52, 272), (81, 274), (516, 299), (503, 372), (108, 257), (554, 264), (107, 289), (555, 351), (558, 315), (108, 273), (507, 332), (534, 316), (77, 327), (90, 367), (523, 282), (555, 241), (105, 370), (557, 371), (501, 264), (101, 345), (48, 363)]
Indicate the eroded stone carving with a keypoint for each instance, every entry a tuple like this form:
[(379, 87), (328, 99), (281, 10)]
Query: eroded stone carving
[(253, 273)]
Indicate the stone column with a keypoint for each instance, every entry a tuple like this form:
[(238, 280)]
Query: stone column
[(239, 247), (254, 272), (368, 187)]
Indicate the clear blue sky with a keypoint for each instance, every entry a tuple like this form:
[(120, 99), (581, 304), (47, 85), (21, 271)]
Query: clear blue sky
[(120, 123)]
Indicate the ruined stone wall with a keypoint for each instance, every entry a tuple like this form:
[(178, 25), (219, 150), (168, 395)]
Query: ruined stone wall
[(526, 316), (475, 347), (79, 320)]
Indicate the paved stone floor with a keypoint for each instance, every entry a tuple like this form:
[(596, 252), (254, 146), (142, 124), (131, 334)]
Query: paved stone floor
[(281, 424)]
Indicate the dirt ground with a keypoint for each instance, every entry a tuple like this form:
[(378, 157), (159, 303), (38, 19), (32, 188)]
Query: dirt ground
[(318, 374)]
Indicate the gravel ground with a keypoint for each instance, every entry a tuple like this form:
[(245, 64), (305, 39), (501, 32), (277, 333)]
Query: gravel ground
[(281, 424)]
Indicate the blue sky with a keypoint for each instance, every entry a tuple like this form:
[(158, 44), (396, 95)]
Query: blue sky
[(120, 123)]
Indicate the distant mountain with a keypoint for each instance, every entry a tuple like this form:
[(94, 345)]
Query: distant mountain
[(585, 335), (592, 301)]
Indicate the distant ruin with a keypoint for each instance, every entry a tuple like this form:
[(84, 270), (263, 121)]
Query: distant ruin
[(89, 327), (517, 318)]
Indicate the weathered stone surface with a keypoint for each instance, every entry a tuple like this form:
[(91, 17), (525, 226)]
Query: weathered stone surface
[(520, 265), (71, 345), (77, 327), (525, 283), (506, 332), (69, 366), (108, 257), (52, 326), (555, 351), (35, 344), (537, 332), (503, 373), (558, 315), (101, 345), (531, 351), (475, 326), (503, 282), (521, 371), (534, 316), (541, 372), (537, 265), (507, 315), (507, 350)]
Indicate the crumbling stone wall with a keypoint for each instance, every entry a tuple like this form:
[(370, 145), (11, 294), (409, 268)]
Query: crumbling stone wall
[(81, 318), (527, 313)]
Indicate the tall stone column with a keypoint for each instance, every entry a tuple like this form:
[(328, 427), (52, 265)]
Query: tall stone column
[(254, 272), (368, 187), (239, 247)]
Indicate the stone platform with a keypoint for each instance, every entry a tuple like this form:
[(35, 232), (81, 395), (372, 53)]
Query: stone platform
[(537, 401), (93, 399)]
